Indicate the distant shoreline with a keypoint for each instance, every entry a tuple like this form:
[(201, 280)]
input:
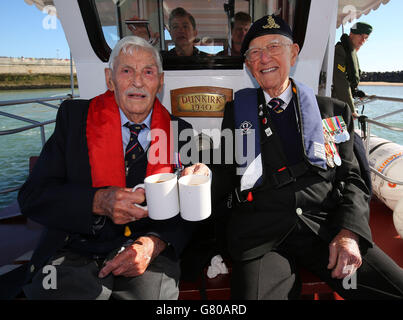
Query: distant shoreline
[(45, 81), (29, 87), (35, 81), (381, 83)]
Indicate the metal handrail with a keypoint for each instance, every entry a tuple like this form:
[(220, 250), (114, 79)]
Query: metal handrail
[(374, 121), (33, 123), (368, 99), (33, 100), (386, 126)]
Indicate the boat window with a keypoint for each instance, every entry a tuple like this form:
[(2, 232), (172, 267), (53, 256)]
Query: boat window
[(191, 34)]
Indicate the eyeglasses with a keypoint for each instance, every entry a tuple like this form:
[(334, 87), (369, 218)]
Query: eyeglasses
[(273, 49)]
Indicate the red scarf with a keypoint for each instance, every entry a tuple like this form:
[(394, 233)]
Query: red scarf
[(104, 139)]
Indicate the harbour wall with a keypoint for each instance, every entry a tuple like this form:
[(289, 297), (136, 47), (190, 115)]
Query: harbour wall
[(32, 73), (34, 66)]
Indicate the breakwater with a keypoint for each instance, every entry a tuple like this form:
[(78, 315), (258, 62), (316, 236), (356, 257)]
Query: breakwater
[(34, 66), (32, 73)]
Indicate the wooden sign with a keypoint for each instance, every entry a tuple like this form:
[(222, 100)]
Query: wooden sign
[(200, 101)]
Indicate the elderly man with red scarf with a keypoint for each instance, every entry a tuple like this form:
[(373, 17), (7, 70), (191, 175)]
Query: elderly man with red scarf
[(80, 190)]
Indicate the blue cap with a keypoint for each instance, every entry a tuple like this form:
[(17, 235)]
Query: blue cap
[(271, 24)]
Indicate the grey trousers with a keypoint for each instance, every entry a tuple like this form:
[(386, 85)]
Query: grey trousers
[(75, 277), (275, 276)]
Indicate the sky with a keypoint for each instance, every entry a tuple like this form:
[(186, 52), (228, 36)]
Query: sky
[(383, 50), (28, 32)]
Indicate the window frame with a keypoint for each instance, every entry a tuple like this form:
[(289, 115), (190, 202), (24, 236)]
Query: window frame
[(101, 48)]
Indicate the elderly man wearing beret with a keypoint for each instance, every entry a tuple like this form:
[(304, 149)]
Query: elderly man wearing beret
[(346, 71), (297, 198)]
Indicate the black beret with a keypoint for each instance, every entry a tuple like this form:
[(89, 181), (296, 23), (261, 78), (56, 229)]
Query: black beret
[(361, 28), (267, 25)]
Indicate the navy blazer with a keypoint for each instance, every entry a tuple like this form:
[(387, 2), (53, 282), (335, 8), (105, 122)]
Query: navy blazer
[(59, 194), (253, 228)]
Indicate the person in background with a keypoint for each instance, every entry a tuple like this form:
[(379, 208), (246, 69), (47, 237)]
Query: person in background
[(141, 28), (100, 243), (182, 27), (239, 28), (346, 71), (298, 199)]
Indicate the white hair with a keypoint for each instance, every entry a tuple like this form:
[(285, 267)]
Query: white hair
[(128, 45)]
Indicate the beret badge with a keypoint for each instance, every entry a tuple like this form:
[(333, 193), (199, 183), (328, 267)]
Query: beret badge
[(271, 24)]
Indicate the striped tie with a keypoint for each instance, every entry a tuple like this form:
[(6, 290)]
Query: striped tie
[(133, 149), (133, 152), (275, 105)]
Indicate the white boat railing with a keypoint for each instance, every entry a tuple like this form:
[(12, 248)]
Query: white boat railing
[(366, 123), (33, 123)]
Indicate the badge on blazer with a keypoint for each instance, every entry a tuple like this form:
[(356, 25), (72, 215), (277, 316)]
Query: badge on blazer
[(261, 110), (245, 126), (268, 131)]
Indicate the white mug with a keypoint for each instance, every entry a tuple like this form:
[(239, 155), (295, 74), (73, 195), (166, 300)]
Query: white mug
[(161, 195), (195, 197)]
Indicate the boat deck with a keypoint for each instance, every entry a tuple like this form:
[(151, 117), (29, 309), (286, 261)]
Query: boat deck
[(18, 238)]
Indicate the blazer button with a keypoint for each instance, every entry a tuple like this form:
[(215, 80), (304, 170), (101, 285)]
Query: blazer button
[(66, 239), (32, 268), (299, 211)]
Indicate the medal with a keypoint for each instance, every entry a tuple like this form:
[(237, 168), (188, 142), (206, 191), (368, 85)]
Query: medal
[(343, 126), (332, 155), (337, 128), (347, 135), (335, 154), (327, 128), (329, 161), (340, 130), (338, 138), (328, 150), (337, 160), (329, 156)]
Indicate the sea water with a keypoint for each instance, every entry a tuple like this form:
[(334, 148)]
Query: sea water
[(16, 149), (379, 107)]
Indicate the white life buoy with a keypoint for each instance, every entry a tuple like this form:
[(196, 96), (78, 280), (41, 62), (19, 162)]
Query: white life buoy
[(387, 157)]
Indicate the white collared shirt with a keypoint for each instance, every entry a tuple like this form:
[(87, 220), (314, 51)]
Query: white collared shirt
[(144, 138)]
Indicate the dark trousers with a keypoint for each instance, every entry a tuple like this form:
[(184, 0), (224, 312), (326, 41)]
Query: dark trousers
[(77, 279), (275, 275)]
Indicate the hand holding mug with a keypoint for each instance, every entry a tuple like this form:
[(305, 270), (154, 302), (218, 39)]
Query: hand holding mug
[(119, 204)]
